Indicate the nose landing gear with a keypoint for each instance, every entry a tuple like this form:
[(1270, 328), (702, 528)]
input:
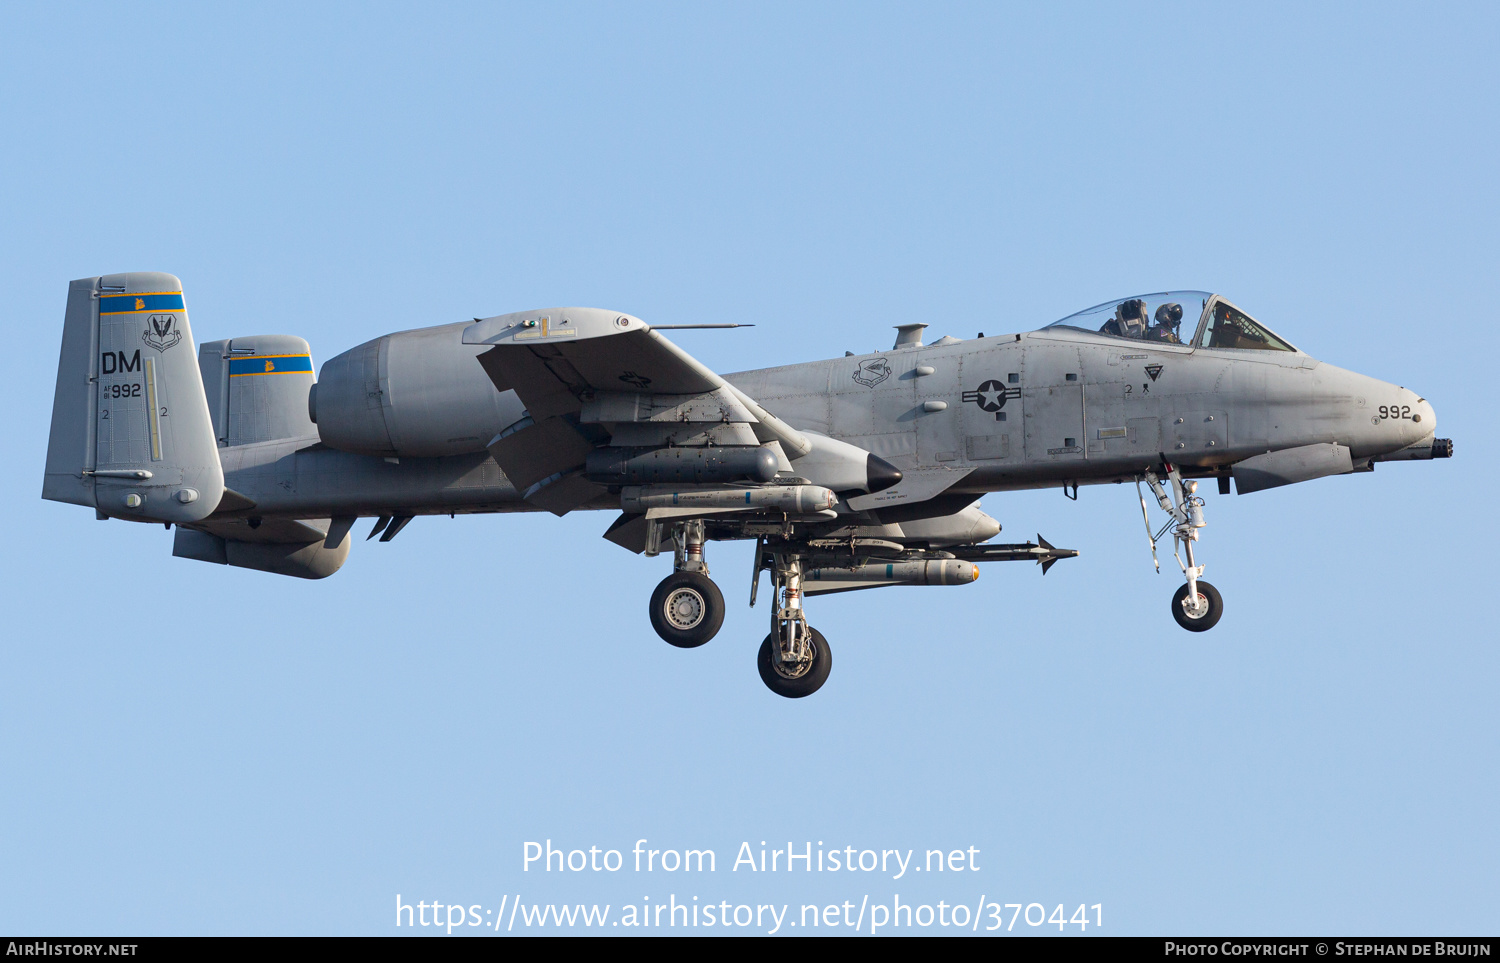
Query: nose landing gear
[(1197, 605), (1204, 613)]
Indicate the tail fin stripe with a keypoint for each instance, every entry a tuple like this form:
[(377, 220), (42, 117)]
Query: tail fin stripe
[(131, 303), (264, 364)]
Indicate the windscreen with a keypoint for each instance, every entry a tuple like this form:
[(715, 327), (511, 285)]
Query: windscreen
[(1229, 327), (1167, 317)]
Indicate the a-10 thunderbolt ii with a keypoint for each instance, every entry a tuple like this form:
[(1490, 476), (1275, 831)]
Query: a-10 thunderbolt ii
[(858, 472)]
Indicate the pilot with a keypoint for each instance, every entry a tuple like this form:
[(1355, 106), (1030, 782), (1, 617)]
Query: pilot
[(1168, 319), (1129, 320)]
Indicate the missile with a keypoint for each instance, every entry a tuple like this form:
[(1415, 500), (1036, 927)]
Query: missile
[(793, 499), (944, 571)]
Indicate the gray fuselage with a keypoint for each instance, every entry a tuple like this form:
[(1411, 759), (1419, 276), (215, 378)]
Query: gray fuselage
[(1045, 408)]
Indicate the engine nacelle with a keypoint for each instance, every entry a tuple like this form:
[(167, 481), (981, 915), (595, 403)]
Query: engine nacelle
[(418, 393)]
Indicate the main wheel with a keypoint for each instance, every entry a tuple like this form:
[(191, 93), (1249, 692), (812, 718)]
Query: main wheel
[(804, 683), (687, 609), (1209, 601)]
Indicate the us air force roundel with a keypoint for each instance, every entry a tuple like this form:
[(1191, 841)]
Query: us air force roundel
[(991, 396)]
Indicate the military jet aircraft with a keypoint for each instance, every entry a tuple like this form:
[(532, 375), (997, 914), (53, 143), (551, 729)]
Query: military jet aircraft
[(855, 473)]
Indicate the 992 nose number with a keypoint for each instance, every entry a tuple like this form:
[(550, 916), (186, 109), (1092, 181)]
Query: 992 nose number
[(1398, 412)]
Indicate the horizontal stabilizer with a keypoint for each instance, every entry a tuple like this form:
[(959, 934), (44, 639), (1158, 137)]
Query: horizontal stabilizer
[(233, 501), (278, 546), (279, 531), (309, 560)]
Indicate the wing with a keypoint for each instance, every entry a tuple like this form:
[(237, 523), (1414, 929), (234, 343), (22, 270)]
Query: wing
[(591, 378)]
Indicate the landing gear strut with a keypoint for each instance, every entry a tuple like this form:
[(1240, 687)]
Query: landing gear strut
[(1196, 605), (795, 659), (687, 608)]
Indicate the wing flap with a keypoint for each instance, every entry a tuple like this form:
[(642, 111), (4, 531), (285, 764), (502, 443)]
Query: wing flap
[(563, 492), (530, 450)]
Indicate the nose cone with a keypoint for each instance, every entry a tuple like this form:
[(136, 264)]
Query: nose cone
[(1388, 418), (1414, 420), (1423, 415), (985, 528), (880, 473)]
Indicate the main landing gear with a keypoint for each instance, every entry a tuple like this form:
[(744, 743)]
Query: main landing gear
[(687, 609), (794, 659), (1196, 605)]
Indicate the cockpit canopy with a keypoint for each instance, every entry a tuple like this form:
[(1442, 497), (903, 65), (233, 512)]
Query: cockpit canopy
[(1211, 322)]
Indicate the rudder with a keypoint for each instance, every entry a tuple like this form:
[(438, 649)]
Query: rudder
[(131, 431)]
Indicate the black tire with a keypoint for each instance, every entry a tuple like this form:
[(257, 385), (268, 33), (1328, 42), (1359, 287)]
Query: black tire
[(1204, 622), (687, 609), (809, 682)]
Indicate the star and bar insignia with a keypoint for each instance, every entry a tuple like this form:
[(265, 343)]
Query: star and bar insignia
[(991, 396)]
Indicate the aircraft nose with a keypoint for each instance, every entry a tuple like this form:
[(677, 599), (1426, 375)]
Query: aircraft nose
[(1424, 416), (1417, 422)]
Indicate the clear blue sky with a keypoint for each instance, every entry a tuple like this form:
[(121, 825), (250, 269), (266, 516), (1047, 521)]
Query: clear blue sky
[(186, 748)]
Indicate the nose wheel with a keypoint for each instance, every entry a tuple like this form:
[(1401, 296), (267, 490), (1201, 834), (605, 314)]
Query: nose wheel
[(1202, 612), (1196, 605)]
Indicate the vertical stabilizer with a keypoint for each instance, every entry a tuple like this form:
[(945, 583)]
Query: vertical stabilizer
[(131, 432), (258, 387)]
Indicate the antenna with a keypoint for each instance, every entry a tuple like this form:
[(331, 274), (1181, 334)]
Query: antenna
[(681, 327)]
